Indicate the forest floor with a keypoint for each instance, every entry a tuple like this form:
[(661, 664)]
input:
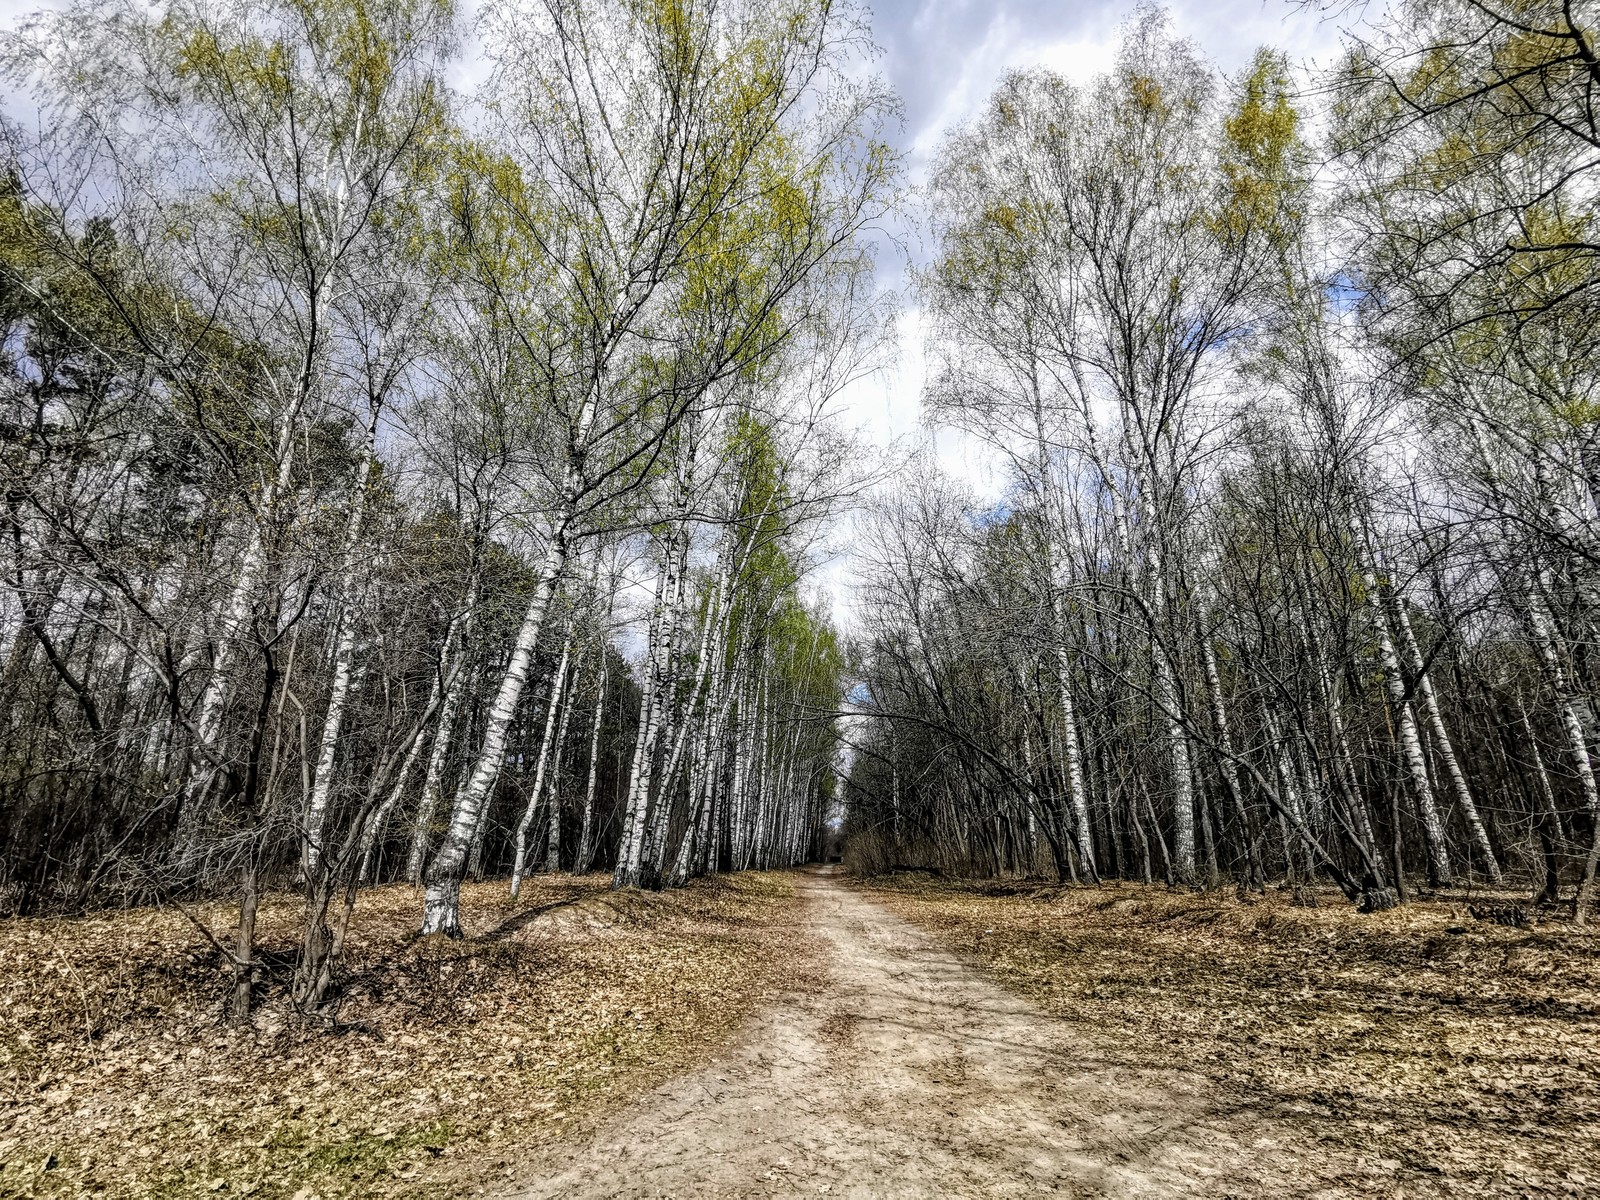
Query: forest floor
[(119, 1077), (996, 1040), (809, 1034)]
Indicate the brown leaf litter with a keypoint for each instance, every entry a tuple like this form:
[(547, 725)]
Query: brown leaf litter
[(120, 1077), (1452, 1054)]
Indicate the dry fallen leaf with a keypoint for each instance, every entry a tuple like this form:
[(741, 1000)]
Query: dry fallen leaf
[(528, 1027), (1437, 1052)]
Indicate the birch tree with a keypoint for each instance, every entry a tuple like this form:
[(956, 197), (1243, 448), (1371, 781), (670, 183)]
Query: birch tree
[(641, 251)]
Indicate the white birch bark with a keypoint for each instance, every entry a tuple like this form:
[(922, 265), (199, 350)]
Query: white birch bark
[(1547, 794), (1410, 742), (1293, 814), (1442, 743), (1182, 776), (453, 662), (441, 912), (1344, 760), (692, 719), (558, 682), (441, 905), (630, 853), (343, 663), (702, 787), (1229, 769), (1077, 792), (586, 835), (252, 569), (380, 816), (1165, 682), (762, 772), (741, 771), (552, 846), (1543, 626), (698, 806)]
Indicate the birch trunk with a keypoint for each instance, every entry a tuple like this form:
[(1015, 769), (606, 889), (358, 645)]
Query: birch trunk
[(763, 772), (1230, 772), (552, 852), (709, 648), (252, 569), (586, 836), (1439, 873), (1442, 743), (741, 771), (1077, 793), (1182, 862), (442, 903), (702, 788), (1550, 833), (519, 863), (380, 816), (453, 662), (1344, 766), (343, 664), (1543, 627), (631, 850)]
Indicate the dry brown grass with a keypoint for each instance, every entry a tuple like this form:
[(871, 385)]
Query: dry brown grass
[(120, 1077), (1449, 1054)]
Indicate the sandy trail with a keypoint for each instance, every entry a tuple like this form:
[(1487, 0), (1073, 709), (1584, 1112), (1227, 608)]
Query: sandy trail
[(907, 1073)]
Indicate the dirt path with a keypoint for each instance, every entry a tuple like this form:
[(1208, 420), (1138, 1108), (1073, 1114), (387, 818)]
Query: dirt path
[(908, 1073)]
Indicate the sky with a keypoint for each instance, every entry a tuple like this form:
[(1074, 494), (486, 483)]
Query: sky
[(943, 58)]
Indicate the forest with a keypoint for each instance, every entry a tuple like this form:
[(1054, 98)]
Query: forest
[(1295, 386), (341, 431), (427, 432)]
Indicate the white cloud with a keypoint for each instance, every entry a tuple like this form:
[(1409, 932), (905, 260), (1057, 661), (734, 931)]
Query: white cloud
[(944, 57)]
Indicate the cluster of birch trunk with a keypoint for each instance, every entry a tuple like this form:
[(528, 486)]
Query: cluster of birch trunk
[(411, 482), (1293, 578)]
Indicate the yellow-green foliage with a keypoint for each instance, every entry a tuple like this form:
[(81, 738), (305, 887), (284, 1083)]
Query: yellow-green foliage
[(321, 81), (768, 570), (70, 296), (1263, 154)]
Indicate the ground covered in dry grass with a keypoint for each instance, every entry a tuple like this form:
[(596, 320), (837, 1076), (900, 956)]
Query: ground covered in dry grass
[(1451, 1054), (118, 1075)]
